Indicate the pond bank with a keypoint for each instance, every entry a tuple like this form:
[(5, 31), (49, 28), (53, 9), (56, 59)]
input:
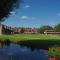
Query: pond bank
[(32, 44), (40, 44)]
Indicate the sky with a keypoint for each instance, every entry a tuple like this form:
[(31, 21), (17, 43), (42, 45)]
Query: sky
[(35, 13)]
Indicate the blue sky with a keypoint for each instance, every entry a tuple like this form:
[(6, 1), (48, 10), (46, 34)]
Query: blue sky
[(35, 13)]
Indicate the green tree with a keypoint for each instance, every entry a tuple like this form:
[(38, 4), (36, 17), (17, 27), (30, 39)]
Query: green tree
[(57, 28), (22, 30), (6, 6), (43, 28)]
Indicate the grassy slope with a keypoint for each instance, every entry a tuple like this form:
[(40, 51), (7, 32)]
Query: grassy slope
[(19, 37)]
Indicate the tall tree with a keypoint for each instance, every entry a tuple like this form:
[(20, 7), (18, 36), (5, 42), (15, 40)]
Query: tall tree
[(43, 28), (6, 6), (22, 30), (57, 28)]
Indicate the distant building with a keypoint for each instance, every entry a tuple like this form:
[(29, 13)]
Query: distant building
[(16, 30), (30, 30), (9, 30), (5, 29), (51, 32)]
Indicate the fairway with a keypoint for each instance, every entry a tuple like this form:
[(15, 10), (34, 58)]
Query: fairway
[(23, 37)]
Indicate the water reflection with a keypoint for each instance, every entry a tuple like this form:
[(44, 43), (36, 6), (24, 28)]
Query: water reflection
[(16, 52)]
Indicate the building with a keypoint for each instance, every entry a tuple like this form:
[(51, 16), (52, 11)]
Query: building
[(50, 32), (5, 29), (30, 30), (9, 30), (24, 30), (16, 30)]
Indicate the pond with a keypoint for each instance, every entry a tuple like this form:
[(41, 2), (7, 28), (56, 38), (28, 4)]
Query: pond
[(18, 52)]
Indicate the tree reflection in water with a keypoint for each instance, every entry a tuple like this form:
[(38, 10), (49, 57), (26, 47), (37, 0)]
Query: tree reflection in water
[(16, 52)]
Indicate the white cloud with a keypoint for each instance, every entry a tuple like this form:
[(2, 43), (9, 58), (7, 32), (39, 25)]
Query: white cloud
[(12, 12), (27, 6), (24, 17), (27, 17)]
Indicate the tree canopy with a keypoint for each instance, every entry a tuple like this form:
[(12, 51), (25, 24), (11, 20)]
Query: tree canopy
[(43, 28), (57, 28), (6, 6)]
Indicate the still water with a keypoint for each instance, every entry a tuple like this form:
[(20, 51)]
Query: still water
[(17, 52)]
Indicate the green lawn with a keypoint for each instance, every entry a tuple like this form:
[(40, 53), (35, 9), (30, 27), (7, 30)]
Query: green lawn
[(19, 37)]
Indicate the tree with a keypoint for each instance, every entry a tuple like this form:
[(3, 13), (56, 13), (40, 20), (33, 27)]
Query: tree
[(43, 28), (6, 6), (57, 28), (22, 30)]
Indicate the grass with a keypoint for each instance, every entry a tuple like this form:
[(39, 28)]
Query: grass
[(54, 51), (23, 37)]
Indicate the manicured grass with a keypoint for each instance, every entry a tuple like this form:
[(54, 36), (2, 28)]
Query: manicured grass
[(23, 37)]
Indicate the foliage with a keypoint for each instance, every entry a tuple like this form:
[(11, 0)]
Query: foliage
[(6, 6), (54, 51), (57, 28), (43, 28), (22, 30)]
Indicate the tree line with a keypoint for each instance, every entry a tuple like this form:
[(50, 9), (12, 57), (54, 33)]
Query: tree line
[(47, 27), (43, 28)]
